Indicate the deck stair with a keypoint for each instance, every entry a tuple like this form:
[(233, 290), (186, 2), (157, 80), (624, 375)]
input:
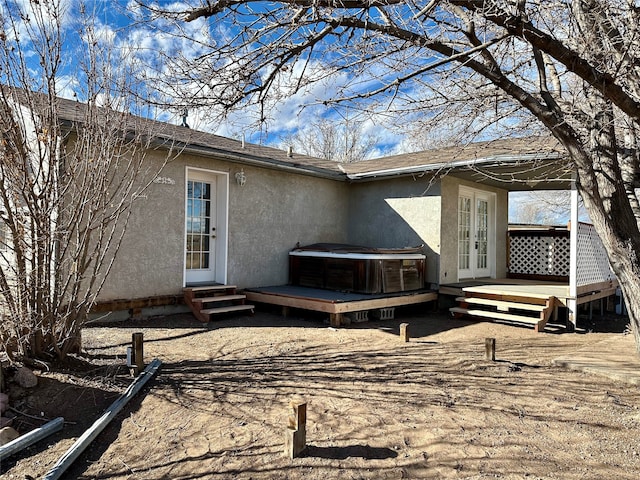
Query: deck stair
[(523, 309), (209, 300)]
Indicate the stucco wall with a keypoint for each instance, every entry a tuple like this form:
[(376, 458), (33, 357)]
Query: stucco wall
[(397, 213), (267, 216), (273, 212), (449, 227)]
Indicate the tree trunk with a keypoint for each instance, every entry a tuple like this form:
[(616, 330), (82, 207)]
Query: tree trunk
[(601, 184), (630, 286)]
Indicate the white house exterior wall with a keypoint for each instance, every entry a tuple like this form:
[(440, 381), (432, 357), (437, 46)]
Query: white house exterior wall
[(267, 217)]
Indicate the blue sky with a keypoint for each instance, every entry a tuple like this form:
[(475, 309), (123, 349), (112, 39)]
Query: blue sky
[(142, 46)]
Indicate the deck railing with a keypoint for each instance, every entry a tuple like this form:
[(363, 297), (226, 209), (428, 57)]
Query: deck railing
[(539, 253), (544, 254), (592, 265)]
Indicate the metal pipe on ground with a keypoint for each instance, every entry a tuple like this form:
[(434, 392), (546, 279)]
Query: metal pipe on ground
[(30, 438), (87, 437)]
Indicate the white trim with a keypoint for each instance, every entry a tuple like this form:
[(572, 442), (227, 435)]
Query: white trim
[(494, 159), (221, 180), (572, 305), (360, 256)]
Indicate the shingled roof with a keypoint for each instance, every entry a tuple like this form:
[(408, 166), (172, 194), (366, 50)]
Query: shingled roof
[(506, 151), (208, 144)]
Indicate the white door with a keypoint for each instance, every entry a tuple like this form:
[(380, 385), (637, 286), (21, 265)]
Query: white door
[(476, 231), (200, 261)]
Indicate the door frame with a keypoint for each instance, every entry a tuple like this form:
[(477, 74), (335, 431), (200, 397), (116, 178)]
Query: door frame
[(221, 181), (490, 197)]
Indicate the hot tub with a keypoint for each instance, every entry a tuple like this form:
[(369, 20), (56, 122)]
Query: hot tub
[(357, 269)]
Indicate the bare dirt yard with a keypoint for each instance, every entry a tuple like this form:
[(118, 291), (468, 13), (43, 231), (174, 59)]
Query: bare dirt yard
[(378, 408)]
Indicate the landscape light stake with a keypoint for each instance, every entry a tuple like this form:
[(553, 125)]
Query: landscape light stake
[(490, 349), (295, 436), (404, 332)]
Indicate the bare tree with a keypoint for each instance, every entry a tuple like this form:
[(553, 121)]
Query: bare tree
[(69, 172), (544, 208), (343, 142), (573, 66)]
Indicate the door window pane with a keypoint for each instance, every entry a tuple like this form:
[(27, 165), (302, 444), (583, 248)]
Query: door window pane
[(198, 224), (482, 233), (464, 232)]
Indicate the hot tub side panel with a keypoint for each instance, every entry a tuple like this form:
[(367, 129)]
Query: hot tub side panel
[(376, 274)]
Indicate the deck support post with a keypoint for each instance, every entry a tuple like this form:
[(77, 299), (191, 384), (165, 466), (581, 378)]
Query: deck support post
[(335, 319), (295, 437), (572, 301)]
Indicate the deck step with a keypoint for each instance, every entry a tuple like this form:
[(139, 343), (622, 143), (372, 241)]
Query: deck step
[(209, 288), (224, 296), (228, 308), (496, 315), (220, 298), (502, 305)]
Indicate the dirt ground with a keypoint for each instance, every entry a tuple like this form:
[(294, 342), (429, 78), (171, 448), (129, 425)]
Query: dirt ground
[(378, 408)]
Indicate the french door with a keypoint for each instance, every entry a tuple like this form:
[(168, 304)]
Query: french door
[(476, 234)]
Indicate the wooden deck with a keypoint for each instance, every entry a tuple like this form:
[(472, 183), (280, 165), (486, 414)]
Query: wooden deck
[(332, 302), (531, 302), (530, 288)]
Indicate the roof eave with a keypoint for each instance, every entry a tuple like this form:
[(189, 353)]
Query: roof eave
[(248, 159), (445, 166)]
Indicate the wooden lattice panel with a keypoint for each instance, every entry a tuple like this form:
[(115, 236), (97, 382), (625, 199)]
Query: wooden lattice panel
[(593, 265), (534, 254)]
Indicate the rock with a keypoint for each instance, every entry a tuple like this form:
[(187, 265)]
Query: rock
[(25, 378), (7, 434), (4, 421)]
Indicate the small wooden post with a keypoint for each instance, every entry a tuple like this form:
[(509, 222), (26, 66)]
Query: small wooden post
[(295, 438), (138, 351), (335, 319), (404, 332), (490, 348)]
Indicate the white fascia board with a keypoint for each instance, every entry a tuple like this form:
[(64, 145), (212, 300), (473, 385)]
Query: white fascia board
[(495, 159)]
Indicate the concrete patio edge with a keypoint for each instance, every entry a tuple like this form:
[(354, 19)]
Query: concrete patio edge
[(615, 358)]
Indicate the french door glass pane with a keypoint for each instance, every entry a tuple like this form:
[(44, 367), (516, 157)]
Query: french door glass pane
[(482, 231), (464, 232), (198, 224)]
